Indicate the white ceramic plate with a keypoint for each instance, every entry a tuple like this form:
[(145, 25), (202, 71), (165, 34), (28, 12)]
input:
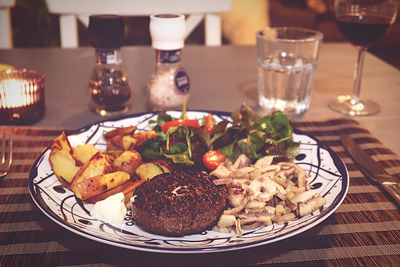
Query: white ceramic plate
[(328, 175)]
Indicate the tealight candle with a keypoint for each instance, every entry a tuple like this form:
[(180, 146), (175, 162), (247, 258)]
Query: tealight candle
[(21, 96)]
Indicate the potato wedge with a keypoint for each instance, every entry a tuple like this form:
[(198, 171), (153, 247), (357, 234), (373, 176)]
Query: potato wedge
[(62, 143), (120, 131), (127, 161), (114, 138), (84, 152), (99, 184), (148, 170), (98, 164), (127, 140), (126, 188), (63, 160), (64, 165), (137, 139)]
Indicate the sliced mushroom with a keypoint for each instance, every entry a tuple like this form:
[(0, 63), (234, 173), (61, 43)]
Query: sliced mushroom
[(221, 172), (241, 161), (226, 220), (263, 219), (285, 218), (310, 206), (235, 199), (303, 196), (279, 210), (243, 173), (223, 181), (255, 204), (263, 162), (238, 229), (286, 172), (263, 193), (224, 230), (301, 174), (239, 208)]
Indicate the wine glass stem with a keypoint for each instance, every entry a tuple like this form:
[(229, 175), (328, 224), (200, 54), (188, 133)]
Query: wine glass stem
[(357, 81)]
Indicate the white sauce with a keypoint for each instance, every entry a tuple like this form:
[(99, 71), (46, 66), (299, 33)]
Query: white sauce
[(111, 209)]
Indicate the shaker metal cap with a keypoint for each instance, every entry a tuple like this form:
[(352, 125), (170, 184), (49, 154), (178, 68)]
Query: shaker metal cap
[(167, 31)]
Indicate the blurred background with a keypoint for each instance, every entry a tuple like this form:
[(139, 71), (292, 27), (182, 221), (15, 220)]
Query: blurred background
[(34, 26)]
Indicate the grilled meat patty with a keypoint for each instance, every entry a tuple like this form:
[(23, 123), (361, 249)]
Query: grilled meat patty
[(179, 203)]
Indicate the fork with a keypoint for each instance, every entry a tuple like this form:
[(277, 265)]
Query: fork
[(6, 153)]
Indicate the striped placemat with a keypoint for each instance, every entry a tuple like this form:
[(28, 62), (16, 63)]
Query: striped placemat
[(365, 230)]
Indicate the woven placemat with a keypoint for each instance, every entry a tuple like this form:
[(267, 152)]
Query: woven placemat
[(363, 231)]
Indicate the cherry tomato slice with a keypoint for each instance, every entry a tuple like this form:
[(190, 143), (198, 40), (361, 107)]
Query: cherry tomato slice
[(175, 123), (213, 158), (209, 123)]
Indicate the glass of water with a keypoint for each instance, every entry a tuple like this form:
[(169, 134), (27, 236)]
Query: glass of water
[(287, 60)]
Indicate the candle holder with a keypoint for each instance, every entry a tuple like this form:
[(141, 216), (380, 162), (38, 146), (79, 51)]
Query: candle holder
[(21, 96)]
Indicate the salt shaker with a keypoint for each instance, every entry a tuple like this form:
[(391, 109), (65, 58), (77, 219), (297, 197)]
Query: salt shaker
[(109, 87), (169, 85)]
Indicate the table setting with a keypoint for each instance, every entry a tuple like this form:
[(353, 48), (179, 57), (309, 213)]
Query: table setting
[(350, 158)]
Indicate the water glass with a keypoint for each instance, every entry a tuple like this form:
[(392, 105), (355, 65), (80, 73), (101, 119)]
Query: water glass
[(287, 62)]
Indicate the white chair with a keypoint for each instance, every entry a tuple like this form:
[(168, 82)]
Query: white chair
[(196, 11), (5, 23)]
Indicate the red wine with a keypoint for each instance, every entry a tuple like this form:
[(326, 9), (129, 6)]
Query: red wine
[(363, 30)]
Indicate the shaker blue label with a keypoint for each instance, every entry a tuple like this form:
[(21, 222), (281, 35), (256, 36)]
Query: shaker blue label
[(182, 81), (108, 57), (171, 56)]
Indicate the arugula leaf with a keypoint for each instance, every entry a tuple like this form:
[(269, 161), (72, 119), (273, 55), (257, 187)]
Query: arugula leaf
[(220, 127), (292, 150), (203, 136), (281, 124), (276, 126), (257, 141), (215, 137), (152, 149), (181, 132), (230, 151), (245, 147), (182, 158), (184, 109), (177, 148), (162, 118)]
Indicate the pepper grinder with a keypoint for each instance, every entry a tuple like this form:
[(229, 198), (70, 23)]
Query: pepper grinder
[(109, 87), (169, 85)]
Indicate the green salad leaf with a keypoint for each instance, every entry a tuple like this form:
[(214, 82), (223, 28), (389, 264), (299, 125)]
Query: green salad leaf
[(247, 134)]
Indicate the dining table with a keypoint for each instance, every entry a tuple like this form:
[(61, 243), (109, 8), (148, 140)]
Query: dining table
[(364, 230)]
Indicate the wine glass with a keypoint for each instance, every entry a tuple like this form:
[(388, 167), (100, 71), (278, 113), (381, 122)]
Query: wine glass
[(363, 23)]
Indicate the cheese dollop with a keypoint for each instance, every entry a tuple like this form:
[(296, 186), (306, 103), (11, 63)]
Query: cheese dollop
[(111, 209)]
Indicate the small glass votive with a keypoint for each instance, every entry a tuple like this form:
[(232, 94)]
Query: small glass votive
[(21, 96)]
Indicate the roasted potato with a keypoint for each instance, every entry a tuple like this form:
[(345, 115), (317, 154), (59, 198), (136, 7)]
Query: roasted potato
[(62, 159), (94, 175), (148, 170), (84, 152), (120, 131), (127, 161), (99, 184), (127, 139), (114, 138), (64, 165), (137, 139), (126, 188), (62, 143), (98, 164)]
